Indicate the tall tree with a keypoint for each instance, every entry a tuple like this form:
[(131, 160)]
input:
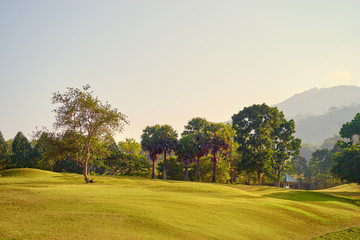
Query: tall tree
[(149, 143), (167, 142), (186, 151), (299, 165), (159, 140), (21, 152), (3, 151), (254, 128), (285, 144), (197, 128), (319, 168), (218, 141), (347, 162), (42, 148), (87, 120)]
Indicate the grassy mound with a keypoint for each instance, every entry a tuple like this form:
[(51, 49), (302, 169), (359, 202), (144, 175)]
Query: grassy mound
[(27, 172), (61, 206)]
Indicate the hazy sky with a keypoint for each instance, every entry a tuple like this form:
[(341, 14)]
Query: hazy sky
[(165, 62)]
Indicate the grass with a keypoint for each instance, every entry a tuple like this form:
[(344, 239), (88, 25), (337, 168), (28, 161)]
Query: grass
[(352, 233), (37, 204)]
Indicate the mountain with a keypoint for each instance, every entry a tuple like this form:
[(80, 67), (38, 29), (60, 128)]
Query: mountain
[(316, 129), (320, 113), (315, 102)]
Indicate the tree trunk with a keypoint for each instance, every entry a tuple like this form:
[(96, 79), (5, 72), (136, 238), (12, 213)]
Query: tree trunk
[(165, 172), (214, 169), (231, 165), (87, 180), (258, 177), (278, 178), (186, 172), (232, 176), (153, 169), (198, 170)]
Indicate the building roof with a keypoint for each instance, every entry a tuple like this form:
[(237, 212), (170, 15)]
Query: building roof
[(289, 178)]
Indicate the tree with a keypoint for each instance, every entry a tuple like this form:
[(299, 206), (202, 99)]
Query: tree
[(186, 151), (167, 142), (158, 140), (86, 121), (22, 154), (351, 130), (347, 164), (175, 170), (231, 155), (218, 141), (299, 165), (254, 127), (42, 150), (347, 161), (285, 144), (197, 128), (3, 151), (149, 144), (130, 146), (319, 169)]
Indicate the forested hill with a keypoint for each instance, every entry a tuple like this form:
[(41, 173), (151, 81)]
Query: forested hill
[(315, 102), (320, 113), (316, 129)]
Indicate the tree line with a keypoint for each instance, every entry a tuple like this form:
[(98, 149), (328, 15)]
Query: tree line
[(257, 147)]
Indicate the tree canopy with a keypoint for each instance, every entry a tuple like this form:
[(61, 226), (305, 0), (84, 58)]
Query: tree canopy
[(186, 151), (86, 121), (158, 140)]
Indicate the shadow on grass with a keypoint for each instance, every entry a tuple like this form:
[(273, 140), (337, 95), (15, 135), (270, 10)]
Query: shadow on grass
[(300, 196)]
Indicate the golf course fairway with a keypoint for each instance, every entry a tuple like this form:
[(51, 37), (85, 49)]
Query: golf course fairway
[(37, 204)]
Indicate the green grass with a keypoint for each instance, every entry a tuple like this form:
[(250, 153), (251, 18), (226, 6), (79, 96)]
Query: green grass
[(37, 204), (352, 233)]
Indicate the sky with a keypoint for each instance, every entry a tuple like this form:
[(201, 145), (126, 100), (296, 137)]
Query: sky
[(167, 61)]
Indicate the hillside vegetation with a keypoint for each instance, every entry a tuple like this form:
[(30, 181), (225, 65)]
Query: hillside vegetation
[(38, 204)]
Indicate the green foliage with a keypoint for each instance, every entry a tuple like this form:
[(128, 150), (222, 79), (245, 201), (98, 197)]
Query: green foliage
[(219, 140), (299, 165), (132, 165), (347, 164), (22, 153), (196, 127), (68, 165), (130, 146), (254, 128), (351, 130), (285, 144), (175, 169), (206, 170), (318, 172), (159, 140), (85, 122), (4, 154), (45, 159), (187, 151)]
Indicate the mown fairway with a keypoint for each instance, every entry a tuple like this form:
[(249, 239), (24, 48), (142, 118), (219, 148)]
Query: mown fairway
[(37, 204)]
